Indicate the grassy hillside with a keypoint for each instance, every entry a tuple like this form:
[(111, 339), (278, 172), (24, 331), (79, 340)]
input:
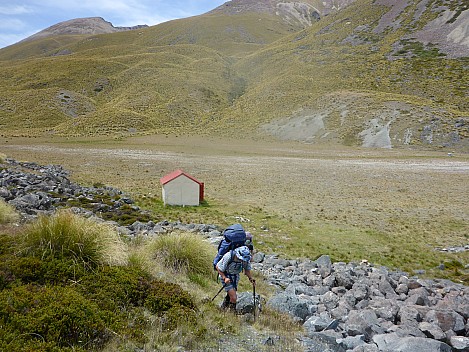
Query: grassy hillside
[(356, 77), (341, 70), (165, 79)]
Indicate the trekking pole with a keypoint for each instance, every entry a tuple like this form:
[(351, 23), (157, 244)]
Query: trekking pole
[(218, 293), (254, 299)]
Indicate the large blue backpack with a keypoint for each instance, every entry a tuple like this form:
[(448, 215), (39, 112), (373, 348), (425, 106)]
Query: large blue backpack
[(234, 236)]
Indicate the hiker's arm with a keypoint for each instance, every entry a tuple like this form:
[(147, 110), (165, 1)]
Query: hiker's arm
[(248, 274), (225, 278)]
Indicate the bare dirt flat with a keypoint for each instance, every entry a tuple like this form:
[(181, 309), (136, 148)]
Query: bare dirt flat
[(404, 195)]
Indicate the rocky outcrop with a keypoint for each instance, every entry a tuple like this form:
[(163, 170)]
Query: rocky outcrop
[(387, 126), (449, 31), (296, 13), (34, 189)]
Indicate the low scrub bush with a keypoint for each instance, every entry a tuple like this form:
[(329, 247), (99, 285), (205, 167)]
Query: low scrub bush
[(178, 316), (125, 215), (81, 312), (120, 288), (7, 242), (52, 317), (16, 270), (8, 214), (116, 288), (186, 253), (65, 234), (162, 296)]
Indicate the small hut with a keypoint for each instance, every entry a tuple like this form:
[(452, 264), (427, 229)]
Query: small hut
[(180, 188)]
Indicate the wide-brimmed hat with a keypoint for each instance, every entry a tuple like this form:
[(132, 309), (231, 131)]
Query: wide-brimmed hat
[(243, 253)]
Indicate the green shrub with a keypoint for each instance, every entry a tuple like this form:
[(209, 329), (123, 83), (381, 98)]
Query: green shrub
[(116, 288), (16, 270), (65, 234), (8, 214), (7, 242), (56, 316), (121, 288), (34, 344), (162, 296), (177, 316), (186, 253), (125, 215)]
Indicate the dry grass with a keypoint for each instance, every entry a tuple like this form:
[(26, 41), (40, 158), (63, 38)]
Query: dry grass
[(182, 253), (8, 213), (65, 234), (278, 321)]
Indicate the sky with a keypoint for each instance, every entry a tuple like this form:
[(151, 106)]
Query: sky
[(21, 18)]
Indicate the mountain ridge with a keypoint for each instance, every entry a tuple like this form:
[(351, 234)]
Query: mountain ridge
[(80, 26)]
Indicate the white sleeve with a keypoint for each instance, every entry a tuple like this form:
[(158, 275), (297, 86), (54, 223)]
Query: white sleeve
[(224, 261)]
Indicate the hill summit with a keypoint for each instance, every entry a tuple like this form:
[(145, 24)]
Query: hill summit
[(81, 26), (372, 73)]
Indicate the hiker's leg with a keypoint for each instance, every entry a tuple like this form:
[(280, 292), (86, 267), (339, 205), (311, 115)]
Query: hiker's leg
[(232, 295), (233, 299), (230, 290), (234, 285)]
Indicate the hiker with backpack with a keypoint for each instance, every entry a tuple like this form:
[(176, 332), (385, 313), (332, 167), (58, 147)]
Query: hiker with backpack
[(234, 256), (229, 268)]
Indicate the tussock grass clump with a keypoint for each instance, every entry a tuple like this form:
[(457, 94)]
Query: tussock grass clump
[(183, 253), (65, 234), (8, 214)]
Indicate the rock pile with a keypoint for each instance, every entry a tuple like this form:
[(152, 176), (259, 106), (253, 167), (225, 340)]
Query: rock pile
[(359, 307), (35, 189)]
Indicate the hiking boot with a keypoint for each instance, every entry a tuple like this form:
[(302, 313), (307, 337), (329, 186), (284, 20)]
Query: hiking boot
[(232, 307), (225, 303)]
